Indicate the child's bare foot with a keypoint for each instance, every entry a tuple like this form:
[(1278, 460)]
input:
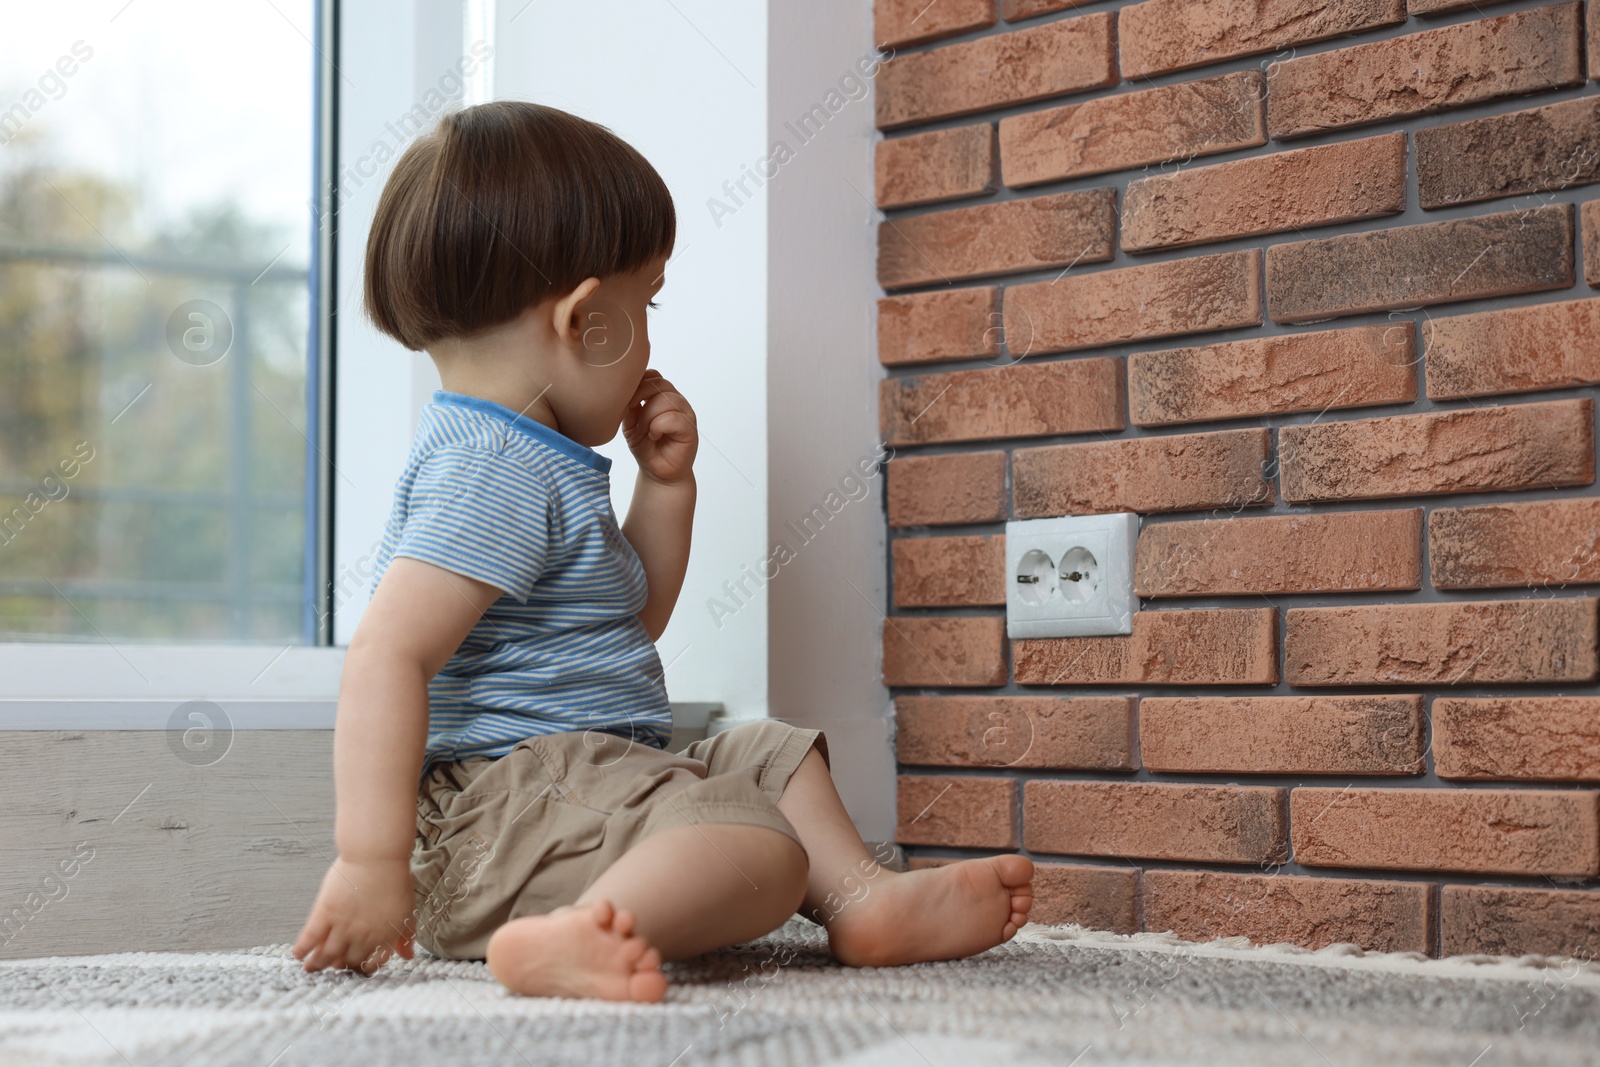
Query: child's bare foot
[(938, 913), (577, 951)]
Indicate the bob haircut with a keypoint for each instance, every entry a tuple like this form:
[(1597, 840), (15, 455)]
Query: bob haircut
[(500, 206)]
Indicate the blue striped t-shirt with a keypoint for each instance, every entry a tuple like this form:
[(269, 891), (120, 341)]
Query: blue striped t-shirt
[(507, 500)]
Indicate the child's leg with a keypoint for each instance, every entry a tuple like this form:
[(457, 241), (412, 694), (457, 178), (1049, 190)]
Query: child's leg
[(876, 916), (684, 890)]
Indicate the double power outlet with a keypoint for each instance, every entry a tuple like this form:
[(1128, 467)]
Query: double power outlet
[(1071, 576)]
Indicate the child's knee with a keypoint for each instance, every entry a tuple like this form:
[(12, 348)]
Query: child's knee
[(797, 869), (785, 866)]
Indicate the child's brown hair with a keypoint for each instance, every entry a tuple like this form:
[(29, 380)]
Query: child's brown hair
[(500, 206)]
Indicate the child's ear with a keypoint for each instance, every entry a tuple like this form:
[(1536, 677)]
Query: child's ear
[(567, 316)]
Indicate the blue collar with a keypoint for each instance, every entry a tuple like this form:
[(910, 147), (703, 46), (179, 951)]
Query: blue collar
[(531, 428)]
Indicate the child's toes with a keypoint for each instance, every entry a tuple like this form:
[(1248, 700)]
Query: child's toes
[(623, 923), (633, 951), (647, 986), (1014, 871), (604, 914)]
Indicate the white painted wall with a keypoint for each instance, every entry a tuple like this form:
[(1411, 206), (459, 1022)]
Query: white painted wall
[(685, 84), (826, 607)]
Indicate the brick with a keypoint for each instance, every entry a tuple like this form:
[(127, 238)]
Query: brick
[(1282, 735), (1518, 446), (1552, 147), (1513, 350), (1216, 292), (920, 650), (1486, 831), (1551, 543), (1058, 733), (1321, 371), (1016, 10), (941, 325), (1169, 122), (1212, 823), (1499, 921), (902, 22), (1591, 235), (1594, 42), (955, 811), (1278, 908), (1170, 472), (940, 165), (1095, 898), (1023, 400), (1158, 36), (1536, 738), (1307, 187), (932, 572), (1201, 646), (1438, 7), (1061, 57), (1422, 73), (1545, 640), (941, 490), (1429, 263), (1335, 552), (1013, 235)]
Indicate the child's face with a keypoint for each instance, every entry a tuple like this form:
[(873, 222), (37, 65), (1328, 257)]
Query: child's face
[(615, 337)]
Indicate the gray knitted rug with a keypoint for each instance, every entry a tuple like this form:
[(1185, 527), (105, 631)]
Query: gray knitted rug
[(1054, 995)]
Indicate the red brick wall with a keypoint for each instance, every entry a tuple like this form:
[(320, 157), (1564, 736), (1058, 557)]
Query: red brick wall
[(1309, 285)]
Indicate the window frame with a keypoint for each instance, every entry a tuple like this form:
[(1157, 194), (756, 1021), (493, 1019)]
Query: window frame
[(130, 684)]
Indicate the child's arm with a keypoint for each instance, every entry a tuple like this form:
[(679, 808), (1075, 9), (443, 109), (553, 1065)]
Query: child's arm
[(418, 617), (660, 430)]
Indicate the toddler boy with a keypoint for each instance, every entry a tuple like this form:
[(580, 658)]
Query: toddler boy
[(503, 788)]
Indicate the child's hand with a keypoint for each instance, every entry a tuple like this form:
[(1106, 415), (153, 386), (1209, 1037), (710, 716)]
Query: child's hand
[(660, 429), (363, 915)]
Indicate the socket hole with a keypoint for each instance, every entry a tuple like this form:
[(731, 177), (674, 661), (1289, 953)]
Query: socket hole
[(1080, 575), (1036, 577)]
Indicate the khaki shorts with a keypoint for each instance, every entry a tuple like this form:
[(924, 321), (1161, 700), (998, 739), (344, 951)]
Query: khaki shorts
[(527, 832)]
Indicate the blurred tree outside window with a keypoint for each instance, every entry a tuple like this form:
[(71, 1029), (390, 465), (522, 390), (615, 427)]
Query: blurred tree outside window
[(155, 236)]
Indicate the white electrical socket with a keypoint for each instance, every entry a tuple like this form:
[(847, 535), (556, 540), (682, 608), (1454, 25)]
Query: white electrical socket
[(1071, 576)]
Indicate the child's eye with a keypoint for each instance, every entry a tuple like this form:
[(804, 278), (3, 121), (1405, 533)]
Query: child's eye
[(651, 304)]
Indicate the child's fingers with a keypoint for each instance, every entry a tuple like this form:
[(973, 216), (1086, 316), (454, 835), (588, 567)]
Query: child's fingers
[(649, 388), (651, 384), (309, 956), (374, 958), (314, 958), (670, 424), (333, 951), (311, 935), (665, 402), (644, 404)]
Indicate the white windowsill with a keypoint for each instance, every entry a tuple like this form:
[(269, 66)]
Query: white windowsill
[(132, 671), (109, 714)]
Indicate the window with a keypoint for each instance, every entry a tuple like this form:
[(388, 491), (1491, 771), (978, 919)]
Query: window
[(160, 455), (185, 192)]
